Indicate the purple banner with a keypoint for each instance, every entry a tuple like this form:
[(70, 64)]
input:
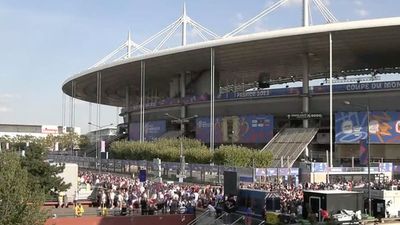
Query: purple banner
[(152, 130), (351, 127), (236, 129), (203, 129), (255, 128)]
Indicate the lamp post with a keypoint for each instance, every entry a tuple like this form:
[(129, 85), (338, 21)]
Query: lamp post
[(181, 121), (366, 107), (97, 138)]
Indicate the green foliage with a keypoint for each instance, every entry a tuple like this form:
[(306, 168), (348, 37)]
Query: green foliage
[(65, 141), (233, 155), (20, 199), (41, 173), (165, 149), (195, 152), (84, 142)]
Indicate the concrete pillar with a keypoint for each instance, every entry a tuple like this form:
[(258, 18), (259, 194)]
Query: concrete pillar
[(182, 90), (305, 105)]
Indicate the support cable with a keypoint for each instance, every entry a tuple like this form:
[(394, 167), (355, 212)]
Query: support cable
[(166, 38), (256, 18)]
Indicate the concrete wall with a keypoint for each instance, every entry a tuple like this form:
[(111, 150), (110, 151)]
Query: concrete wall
[(70, 175)]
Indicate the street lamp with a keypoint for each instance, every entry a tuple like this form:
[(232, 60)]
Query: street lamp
[(97, 138), (181, 121), (366, 107)]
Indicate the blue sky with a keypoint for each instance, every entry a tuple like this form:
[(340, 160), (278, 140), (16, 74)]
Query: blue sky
[(43, 42)]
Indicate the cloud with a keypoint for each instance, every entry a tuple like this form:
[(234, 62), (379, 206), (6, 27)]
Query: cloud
[(6, 96), (239, 16), (361, 12), (358, 2), (4, 109)]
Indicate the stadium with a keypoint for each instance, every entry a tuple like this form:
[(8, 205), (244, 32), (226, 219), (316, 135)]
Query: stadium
[(247, 86)]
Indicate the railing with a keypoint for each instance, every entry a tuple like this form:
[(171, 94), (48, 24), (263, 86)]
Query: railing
[(206, 213), (196, 172), (278, 92)]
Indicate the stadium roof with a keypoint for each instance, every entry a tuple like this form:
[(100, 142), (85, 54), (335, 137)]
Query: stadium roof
[(357, 45)]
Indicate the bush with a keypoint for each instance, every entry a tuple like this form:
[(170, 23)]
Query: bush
[(194, 151)]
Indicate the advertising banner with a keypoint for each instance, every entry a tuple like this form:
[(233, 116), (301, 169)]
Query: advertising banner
[(48, 129), (152, 130), (236, 129), (351, 127), (103, 146), (256, 128), (261, 172), (134, 132), (318, 167), (203, 129), (272, 172), (385, 167), (384, 127)]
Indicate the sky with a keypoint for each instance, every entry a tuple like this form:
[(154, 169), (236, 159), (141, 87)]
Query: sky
[(43, 42)]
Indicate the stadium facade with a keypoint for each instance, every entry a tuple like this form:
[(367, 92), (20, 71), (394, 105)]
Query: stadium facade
[(243, 85)]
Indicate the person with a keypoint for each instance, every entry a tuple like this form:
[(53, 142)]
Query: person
[(143, 205), (300, 211), (61, 195), (65, 199), (247, 219), (211, 209), (79, 210), (324, 215)]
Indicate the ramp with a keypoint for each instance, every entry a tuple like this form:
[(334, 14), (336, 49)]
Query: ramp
[(289, 144)]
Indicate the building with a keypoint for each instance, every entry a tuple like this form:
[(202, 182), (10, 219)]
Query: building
[(240, 88), (38, 131), (101, 134)]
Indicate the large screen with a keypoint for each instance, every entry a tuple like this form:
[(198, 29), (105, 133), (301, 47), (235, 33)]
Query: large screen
[(152, 130), (351, 127), (236, 129)]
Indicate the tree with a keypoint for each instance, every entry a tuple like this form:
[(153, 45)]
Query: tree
[(20, 199), (42, 173), (84, 142)]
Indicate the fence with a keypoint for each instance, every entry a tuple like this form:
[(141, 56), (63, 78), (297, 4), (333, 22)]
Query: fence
[(204, 173)]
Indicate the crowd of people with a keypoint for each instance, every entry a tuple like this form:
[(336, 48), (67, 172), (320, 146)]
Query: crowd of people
[(126, 193), (129, 194)]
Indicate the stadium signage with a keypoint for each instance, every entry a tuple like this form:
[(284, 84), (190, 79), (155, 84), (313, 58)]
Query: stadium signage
[(300, 116)]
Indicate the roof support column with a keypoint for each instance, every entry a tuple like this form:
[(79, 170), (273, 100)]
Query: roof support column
[(306, 13), (90, 117), (182, 89), (212, 99), (127, 105), (142, 98), (305, 106), (330, 103), (72, 114), (72, 105), (98, 115), (63, 108)]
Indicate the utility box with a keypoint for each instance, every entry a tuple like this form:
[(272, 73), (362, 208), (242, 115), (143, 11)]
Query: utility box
[(332, 201)]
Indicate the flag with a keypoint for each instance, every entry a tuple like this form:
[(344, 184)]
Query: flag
[(363, 152), (103, 146)]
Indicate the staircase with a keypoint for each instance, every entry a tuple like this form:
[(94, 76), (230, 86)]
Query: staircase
[(288, 145)]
